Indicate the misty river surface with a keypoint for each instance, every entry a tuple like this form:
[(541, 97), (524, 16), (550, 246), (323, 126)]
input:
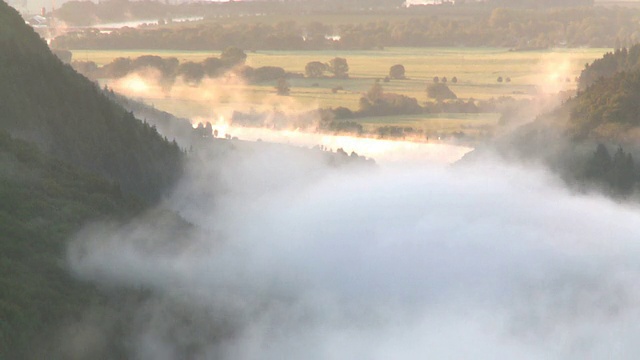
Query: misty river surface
[(383, 151)]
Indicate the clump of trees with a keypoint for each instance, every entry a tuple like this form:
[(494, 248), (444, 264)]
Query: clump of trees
[(377, 103), (168, 69), (440, 92), (608, 108), (610, 64), (618, 175), (337, 66), (315, 69)]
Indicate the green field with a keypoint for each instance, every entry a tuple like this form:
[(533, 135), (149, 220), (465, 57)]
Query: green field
[(477, 70)]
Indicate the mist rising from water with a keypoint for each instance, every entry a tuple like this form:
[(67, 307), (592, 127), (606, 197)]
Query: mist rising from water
[(407, 261)]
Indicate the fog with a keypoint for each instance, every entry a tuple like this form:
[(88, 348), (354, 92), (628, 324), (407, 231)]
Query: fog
[(405, 260)]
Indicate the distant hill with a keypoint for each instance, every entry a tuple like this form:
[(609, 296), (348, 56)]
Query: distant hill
[(47, 102)]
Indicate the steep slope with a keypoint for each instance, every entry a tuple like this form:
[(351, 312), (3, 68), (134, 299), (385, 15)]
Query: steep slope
[(43, 201), (68, 156), (591, 140), (47, 102), (608, 110), (621, 60)]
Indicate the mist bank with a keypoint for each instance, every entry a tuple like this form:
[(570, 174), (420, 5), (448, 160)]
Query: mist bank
[(297, 260)]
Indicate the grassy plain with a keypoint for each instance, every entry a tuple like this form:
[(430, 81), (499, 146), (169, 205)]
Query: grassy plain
[(477, 71)]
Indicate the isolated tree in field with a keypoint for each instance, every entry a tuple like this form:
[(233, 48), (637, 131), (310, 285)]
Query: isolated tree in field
[(440, 92), (454, 80), (444, 80), (315, 69), (508, 79), (282, 87), (499, 79), (436, 79), (233, 56), (396, 72), (338, 67)]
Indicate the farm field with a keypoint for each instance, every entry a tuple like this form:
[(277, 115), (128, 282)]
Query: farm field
[(435, 123), (476, 69)]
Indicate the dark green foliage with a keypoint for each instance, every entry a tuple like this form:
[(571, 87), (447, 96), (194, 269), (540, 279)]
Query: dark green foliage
[(47, 102), (377, 103), (389, 104), (233, 56), (440, 91), (396, 71), (166, 66), (618, 175), (608, 107), (267, 73), (621, 60), (315, 69), (43, 202), (213, 67), (338, 67), (64, 55), (117, 68), (191, 72)]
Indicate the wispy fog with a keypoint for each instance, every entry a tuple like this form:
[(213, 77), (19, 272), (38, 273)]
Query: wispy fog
[(293, 260)]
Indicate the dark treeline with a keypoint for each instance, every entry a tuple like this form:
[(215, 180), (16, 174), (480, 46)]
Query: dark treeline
[(622, 59), (167, 70), (502, 27), (608, 109), (83, 13)]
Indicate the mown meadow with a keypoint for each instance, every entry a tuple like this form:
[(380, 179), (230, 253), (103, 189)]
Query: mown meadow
[(481, 74)]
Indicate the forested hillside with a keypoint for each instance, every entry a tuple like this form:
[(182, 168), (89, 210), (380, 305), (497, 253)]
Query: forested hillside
[(611, 63), (42, 202), (68, 155), (609, 110), (47, 102), (592, 138)]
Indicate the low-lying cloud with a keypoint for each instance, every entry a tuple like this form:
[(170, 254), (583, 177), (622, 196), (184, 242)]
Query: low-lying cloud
[(294, 260)]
